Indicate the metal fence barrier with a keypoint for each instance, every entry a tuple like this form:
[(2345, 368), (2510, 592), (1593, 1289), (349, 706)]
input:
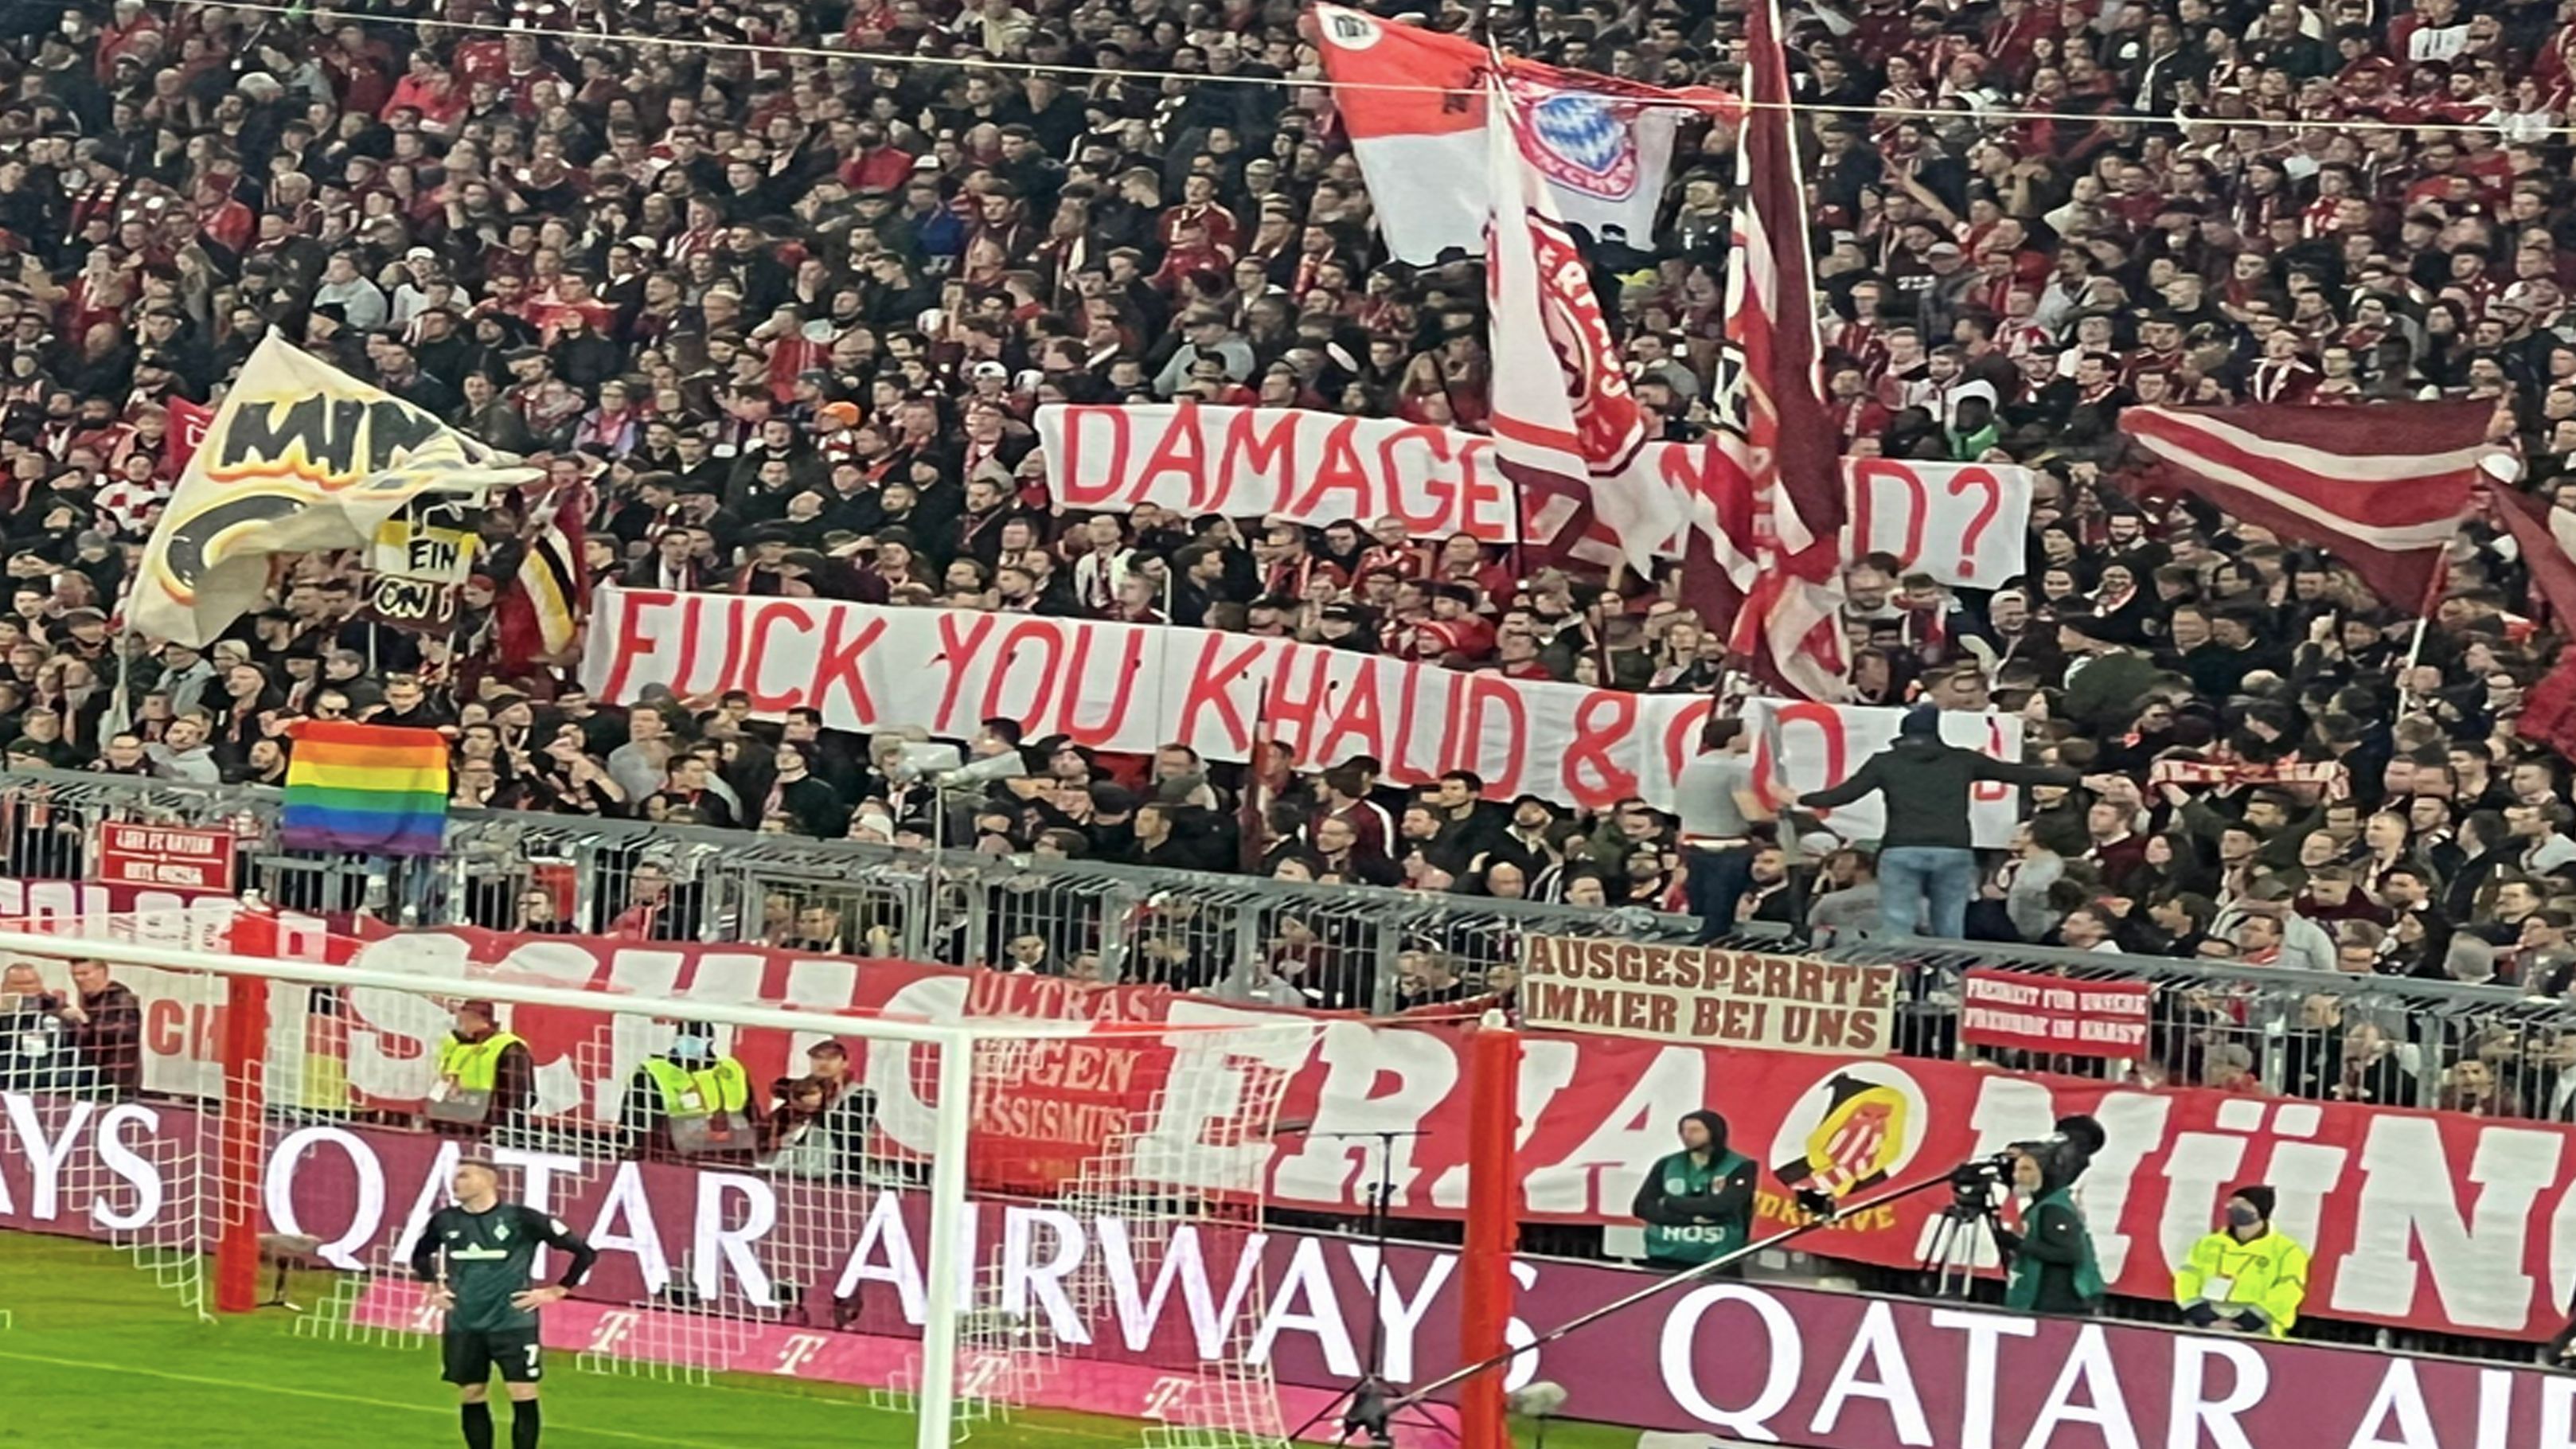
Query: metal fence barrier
[(1242, 937), (2387, 1041)]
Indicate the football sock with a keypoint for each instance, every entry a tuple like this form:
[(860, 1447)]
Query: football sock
[(478, 1425), (524, 1424)]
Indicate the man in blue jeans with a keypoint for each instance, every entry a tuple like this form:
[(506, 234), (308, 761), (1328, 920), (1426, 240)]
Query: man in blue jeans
[(1926, 855)]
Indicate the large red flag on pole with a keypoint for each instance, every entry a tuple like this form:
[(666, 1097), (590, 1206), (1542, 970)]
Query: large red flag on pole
[(2382, 487), (1768, 523)]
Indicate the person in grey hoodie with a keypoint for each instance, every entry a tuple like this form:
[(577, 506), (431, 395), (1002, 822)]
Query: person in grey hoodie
[(1926, 854), (182, 755)]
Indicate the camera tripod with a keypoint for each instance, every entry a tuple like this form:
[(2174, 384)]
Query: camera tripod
[(1950, 1259), (1369, 1403)]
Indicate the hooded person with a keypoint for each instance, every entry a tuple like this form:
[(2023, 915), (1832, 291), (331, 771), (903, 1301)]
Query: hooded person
[(1927, 863), (2248, 1277), (1698, 1202), (2051, 1264)]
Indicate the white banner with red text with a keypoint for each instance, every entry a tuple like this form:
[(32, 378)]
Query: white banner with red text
[(1753, 1362), (1133, 688), (2434, 1221), (1966, 524), (1809, 747)]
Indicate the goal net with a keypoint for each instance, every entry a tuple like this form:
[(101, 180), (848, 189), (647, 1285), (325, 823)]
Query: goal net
[(953, 1215)]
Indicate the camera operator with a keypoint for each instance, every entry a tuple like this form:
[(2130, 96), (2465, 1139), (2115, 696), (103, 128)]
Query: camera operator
[(2051, 1264), (2246, 1277), (1697, 1203)]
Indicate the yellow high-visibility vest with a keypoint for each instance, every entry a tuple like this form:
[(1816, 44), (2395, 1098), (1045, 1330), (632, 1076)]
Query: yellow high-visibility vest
[(722, 1087), (474, 1066)]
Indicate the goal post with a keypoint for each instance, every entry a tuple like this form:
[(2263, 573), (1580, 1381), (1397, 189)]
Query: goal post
[(958, 1217)]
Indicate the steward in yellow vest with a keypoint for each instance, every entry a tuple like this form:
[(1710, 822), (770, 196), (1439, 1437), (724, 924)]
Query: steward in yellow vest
[(485, 1075), (2247, 1277), (690, 1101)]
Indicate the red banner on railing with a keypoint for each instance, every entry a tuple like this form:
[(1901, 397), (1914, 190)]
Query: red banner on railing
[(2036, 1012), (2438, 1221), (179, 857)]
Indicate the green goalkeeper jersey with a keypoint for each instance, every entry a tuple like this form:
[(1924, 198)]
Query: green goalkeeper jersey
[(489, 1257)]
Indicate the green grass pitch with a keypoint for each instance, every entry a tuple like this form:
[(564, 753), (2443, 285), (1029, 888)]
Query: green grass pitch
[(97, 1357)]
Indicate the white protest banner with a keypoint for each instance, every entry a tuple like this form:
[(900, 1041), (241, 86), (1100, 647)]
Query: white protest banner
[(1134, 687), (1814, 747), (1315, 467), (1965, 524)]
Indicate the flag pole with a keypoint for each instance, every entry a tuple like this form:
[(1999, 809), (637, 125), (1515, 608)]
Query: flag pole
[(2415, 650)]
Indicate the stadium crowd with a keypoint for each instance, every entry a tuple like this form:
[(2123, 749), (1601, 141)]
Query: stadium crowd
[(788, 283)]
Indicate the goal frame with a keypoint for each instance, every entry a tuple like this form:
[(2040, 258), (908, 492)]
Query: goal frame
[(242, 1045)]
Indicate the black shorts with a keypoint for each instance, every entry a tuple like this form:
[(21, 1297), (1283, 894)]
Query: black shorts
[(473, 1355)]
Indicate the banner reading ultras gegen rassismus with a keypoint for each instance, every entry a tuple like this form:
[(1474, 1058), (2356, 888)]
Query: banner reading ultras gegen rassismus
[(2442, 1222)]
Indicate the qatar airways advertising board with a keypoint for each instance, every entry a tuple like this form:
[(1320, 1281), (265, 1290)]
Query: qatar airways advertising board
[(825, 1282)]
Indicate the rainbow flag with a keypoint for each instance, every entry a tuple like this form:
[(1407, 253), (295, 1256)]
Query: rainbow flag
[(372, 788)]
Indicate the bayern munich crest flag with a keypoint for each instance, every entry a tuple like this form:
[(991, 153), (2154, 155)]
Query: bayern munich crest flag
[(1416, 108)]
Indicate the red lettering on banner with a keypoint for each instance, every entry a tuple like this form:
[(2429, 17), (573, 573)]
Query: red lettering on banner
[(843, 654), (1490, 692), (1359, 717), (1220, 665), (1180, 450), (1453, 719), (1593, 777), (1993, 789), (1975, 532), (1297, 699), (957, 650), (631, 640), (1035, 713), (692, 608), (1435, 441), (1864, 495), (1476, 489), (1681, 735), (1400, 764), (761, 623), (1340, 470), (1129, 663), (1252, 450), (1070, 490)]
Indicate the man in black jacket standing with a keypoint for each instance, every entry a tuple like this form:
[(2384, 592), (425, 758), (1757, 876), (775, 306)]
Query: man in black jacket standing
[(1925, 852)]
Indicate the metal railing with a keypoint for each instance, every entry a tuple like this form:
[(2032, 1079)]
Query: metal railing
[(2386, 1041), (1243, 937)]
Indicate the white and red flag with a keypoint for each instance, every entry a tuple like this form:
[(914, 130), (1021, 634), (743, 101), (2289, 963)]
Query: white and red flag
[(1415, 101), (1764, 547), (2545, 536), (1565, 420), (2382, 487)]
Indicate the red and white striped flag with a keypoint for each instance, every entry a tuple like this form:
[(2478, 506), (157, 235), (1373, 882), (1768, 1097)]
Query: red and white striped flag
[(1767, 522), (2383, 487), (1565, 420), (2545, 536)]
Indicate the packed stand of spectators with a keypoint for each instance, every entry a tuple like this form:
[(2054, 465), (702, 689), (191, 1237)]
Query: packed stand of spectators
[(791, 314)]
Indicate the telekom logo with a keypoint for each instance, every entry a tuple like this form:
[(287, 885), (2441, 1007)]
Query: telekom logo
[(799, 1350)]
